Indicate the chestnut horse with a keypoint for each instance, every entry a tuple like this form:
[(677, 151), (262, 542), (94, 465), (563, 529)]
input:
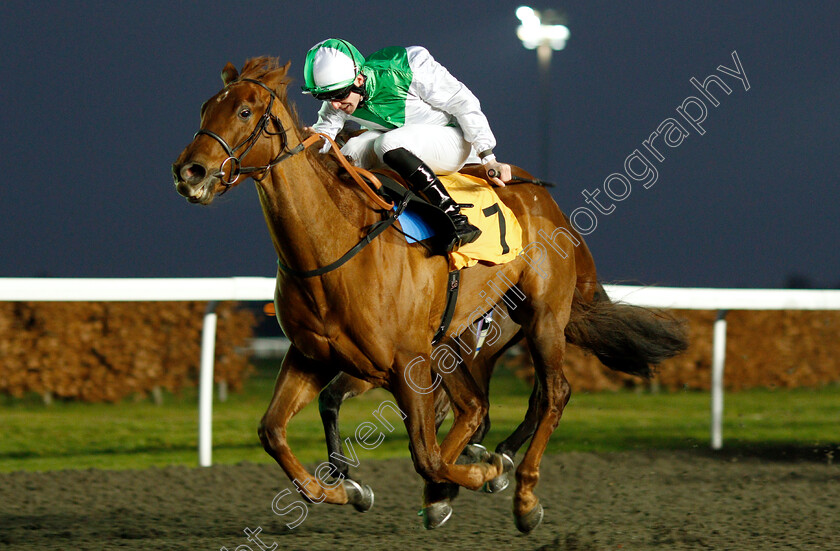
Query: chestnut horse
[(374, 317)]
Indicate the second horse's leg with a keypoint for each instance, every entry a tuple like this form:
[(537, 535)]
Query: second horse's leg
[(526, 428), (341, 388)]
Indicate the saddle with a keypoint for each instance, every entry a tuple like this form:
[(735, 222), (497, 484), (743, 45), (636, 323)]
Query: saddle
[(421, 221), (501, 235)]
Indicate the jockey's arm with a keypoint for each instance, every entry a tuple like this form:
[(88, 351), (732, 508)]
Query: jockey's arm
[(437, 87), (330, 122)]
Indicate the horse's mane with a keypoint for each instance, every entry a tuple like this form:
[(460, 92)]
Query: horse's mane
[(261, 68)]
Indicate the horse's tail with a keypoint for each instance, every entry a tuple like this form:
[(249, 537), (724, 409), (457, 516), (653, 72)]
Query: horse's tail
[(626, 338)]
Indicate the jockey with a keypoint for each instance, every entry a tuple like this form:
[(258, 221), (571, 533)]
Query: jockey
[(421, 121)]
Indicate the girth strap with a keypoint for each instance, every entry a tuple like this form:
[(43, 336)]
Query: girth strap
[(373, 232), (451, 300)]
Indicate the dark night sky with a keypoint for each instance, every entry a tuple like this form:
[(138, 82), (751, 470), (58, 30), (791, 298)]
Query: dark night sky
[(98, 98)]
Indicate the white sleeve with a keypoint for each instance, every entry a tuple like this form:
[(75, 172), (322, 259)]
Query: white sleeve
[(435, 85), (330, 122)]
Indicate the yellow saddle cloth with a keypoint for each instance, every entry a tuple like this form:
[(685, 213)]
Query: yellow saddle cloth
[(501, 235)]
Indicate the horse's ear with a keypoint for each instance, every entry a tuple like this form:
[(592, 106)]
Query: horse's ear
[(286, 67), (229, 73)]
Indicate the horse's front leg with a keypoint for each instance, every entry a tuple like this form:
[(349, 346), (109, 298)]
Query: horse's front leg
[(341, 388), (298, 383)]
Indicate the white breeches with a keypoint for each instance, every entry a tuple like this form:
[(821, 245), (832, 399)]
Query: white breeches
[(443, 148)]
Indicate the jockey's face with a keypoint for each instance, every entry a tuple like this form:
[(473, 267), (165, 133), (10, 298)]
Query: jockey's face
[(351, 102)]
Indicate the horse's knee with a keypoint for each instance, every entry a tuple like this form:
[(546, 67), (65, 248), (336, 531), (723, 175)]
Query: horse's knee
[(270, 434), (429, 467)]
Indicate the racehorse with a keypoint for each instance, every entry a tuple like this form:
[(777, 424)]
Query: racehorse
[(375, 315)]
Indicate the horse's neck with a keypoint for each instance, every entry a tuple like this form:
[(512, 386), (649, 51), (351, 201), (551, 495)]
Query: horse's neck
[(312, 216)]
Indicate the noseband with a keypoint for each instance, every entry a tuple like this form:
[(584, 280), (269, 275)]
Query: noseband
[(236, 168)]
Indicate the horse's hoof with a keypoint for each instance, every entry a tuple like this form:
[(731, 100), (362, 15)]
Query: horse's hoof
[(502, 481), (498, 484), (530, 520), (360, 497), (435, 514), (474, 453)]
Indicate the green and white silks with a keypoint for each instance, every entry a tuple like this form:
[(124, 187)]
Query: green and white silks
[(406, 86)]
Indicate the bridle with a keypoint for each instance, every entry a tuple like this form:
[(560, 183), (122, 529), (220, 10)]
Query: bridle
[(393, 209), (236, 168)]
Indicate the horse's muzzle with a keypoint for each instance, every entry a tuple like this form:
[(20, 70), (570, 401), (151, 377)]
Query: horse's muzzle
[(192, 181), (190, 172)]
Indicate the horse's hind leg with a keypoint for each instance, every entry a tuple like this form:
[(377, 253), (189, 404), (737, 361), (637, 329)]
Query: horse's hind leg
[(509, 333), (482, 368), (341, 388), (507, 449), (544, 320), (547, 349)]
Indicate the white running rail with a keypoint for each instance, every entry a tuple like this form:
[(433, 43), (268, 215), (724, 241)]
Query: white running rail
[(262, 288)]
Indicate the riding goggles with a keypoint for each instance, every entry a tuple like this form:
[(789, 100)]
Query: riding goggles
[(333, 95)]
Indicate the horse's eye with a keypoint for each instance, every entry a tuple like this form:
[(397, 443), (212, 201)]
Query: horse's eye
[(245, 113)]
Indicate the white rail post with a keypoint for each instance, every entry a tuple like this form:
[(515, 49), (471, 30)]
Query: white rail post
[(205, 386), (718, 360)]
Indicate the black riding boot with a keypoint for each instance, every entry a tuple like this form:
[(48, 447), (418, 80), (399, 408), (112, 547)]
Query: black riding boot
[(422, 180)]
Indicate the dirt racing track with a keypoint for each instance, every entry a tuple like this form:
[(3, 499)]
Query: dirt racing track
[(766, 499)]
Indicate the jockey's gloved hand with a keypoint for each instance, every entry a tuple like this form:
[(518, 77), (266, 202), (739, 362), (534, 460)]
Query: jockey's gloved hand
[(499, 173)]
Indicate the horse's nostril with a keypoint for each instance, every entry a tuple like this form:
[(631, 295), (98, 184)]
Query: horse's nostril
[(193, 172)]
